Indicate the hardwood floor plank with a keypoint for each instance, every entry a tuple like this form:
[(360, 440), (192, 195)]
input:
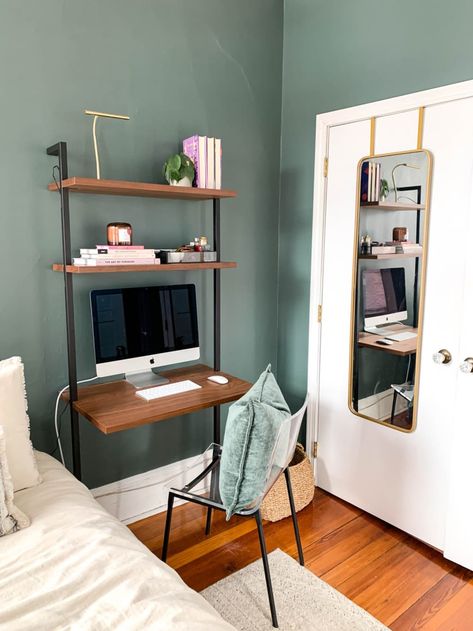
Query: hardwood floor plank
[(424, 609), (362, 559), (339, 545), (456, 614), (400, 582)]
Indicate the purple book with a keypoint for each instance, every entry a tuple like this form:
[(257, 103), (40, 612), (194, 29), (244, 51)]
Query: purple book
[(196, 148)]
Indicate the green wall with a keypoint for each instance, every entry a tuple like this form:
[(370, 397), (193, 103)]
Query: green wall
[(177, 67), (339, 53)]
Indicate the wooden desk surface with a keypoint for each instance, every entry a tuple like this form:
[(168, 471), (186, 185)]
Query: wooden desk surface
[(406, 347), (114, 406)]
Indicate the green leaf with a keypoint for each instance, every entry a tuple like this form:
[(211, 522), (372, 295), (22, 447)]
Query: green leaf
[(174, 162)]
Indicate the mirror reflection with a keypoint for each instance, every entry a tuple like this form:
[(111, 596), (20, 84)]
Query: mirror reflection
[(392, 202)]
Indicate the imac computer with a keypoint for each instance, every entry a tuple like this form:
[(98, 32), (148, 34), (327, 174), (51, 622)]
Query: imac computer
[(141, 328), (384, 301)]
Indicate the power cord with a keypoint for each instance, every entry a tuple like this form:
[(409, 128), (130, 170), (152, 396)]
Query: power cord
[(56, 427)]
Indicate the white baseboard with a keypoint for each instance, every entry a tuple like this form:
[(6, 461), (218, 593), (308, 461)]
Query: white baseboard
[(146, 494), (379, 405)]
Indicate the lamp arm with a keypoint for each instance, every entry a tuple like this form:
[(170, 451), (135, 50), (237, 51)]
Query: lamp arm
[(96, 149)]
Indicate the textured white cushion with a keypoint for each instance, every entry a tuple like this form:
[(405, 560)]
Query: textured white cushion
[(11, 518), (16, 425)]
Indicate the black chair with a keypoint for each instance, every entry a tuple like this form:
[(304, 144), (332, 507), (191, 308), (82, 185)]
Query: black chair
[(281, 457)]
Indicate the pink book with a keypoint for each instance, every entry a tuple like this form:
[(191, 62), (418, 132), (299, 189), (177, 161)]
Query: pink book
[(120, 247), (196, 148)]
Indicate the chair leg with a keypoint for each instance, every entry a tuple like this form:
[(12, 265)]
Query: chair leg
[(393, 409), (208, 522), (294, 516), (267, 575), (167, 528)]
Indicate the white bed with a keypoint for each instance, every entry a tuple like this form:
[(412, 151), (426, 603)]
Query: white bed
[(76, 567)]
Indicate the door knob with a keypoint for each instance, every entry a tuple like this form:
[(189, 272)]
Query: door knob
[(467, 365), (442, 356)]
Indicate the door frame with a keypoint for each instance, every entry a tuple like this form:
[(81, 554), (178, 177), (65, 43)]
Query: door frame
[(324, 122)]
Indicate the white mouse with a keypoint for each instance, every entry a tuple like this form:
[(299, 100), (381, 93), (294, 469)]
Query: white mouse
[(218, 379), (385, 342)]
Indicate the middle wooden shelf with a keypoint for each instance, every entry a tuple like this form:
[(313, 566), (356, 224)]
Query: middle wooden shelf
[(169, 267)]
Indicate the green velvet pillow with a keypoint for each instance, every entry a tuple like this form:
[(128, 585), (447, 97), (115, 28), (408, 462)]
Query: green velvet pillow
[(252, 428)]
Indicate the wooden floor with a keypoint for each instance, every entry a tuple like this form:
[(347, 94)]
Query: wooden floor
[(400, 581)]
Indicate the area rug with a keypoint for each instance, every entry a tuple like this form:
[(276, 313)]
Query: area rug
[(303, 601)]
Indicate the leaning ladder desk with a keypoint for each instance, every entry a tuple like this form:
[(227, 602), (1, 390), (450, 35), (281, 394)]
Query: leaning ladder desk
[(88, 401)]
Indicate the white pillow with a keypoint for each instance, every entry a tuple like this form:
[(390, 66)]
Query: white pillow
[(16, 425), (11, 518)]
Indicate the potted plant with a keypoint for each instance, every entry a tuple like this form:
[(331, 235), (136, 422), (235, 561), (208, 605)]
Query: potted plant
[(383, 190), (179, 170)]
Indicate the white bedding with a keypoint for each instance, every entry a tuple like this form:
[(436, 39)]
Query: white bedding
[(76, 567)]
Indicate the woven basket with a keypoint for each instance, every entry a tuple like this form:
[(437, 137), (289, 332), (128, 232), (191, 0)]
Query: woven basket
[(276, 505)]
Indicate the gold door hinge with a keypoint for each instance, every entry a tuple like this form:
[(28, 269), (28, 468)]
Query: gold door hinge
[(325, 167), (314, 450), (319, 313)]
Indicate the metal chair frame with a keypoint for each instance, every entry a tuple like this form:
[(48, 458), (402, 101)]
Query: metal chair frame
[(213, 470)]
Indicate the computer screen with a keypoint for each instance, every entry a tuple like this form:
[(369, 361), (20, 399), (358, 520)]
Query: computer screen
[(144, 322), (384, 294)]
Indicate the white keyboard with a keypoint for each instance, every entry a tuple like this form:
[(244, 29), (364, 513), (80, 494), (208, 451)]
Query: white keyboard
[(178, 387), (400, 337)]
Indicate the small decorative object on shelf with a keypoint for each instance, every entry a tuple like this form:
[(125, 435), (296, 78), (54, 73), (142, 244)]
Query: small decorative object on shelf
[(400, 233), (365, 245), (383, 190), (179, 170), (96, 116), (119, 233)]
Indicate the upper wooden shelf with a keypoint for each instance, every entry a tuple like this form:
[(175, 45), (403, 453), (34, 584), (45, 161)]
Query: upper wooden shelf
[(140, 189), (169, 267), (392, 206)]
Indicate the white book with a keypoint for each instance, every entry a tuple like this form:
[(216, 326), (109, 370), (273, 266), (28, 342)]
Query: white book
[(202, 173), (131, 254), (210, 162), (218, 163), (370, 177)]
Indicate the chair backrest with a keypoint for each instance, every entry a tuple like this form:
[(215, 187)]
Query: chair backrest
[(283, 452)]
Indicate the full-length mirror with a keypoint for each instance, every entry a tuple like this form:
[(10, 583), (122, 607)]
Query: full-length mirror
[(388, 277)]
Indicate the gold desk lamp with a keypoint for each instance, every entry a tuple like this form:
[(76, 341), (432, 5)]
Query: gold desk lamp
[(401, 164), (96, 116)]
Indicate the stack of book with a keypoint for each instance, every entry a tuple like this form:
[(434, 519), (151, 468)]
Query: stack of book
[(406, 247), (370, 182), (206, 154), (382, 248), (116, 255)]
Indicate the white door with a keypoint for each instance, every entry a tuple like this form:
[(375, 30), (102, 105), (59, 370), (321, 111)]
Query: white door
[(459, 528), (399, 477)]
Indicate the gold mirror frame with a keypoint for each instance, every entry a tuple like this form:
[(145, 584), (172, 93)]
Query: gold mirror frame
[(423, 260)]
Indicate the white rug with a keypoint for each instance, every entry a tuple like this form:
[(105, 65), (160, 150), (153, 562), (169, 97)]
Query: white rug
[(303, 601)]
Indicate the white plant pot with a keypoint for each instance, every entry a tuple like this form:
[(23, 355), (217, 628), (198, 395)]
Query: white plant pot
[(184, 182)]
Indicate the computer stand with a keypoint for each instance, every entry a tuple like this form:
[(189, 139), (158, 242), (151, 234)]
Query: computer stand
[(146, 379), (385, 329)]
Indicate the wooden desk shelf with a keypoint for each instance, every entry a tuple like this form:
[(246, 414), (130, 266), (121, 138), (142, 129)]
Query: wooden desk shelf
[(403, 348), (114, 406), (140, 189), (170, 267)]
